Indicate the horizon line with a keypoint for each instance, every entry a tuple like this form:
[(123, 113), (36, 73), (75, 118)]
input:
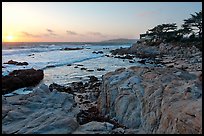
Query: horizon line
[(69, 41)]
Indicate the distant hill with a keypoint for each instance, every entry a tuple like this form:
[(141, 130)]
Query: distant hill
[(121, 40)]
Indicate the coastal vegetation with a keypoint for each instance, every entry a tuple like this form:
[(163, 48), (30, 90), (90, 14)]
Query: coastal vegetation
[(190, 32)]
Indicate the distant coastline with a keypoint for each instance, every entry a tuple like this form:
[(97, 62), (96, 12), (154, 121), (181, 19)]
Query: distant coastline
[(112, 41), (120, 40)]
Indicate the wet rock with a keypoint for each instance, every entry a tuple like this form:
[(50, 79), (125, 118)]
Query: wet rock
[(124, 57), (11, 62), (86, 84), (68, 49), (80, 65), (120, 51), (142, 61), (78, 86), (94, 85), (93, 79), (131, 61), (69, 64), (80, 96), (85, 116), (60, 88), (90, 70), (98, 52), (128, 57), (83, 68), (85, 102), (92, 114), (170, 66), (50, 66), (100, 69), (21, 78), (140, 50), (31, 54), (89, 90), (22, 63), (16, 63)]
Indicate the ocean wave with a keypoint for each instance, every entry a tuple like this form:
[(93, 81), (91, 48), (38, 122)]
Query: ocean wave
[(72, 62), (27, 51)]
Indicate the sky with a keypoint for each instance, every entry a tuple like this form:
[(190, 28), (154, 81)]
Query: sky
[(88, 21)]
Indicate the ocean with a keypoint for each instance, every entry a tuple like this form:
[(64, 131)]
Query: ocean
[(64, 66)]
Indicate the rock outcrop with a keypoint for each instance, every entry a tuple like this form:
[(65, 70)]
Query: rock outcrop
[(16, 63), (153, 100), (176, 55), (98, 52), (137, 100), (21, 78), (40, 112), (70, 49)]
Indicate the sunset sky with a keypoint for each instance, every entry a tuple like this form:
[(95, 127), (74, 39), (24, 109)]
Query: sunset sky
[(88, 21)]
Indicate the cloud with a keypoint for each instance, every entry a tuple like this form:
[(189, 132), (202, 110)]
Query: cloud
[(51, 32), (29, 34), (97, 34), (71, 32)]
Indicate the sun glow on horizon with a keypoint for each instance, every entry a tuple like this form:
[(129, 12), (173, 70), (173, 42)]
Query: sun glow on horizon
[(9, 37), (12, 37)]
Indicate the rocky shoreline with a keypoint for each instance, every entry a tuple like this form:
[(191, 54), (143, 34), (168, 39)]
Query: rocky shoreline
[(135, 100), (187, 58), (21, 78)]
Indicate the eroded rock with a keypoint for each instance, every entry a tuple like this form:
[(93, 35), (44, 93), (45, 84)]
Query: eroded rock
[(153, 100), (40, 112)]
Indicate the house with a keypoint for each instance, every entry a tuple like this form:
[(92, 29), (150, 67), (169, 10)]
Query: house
[(147, 36)]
